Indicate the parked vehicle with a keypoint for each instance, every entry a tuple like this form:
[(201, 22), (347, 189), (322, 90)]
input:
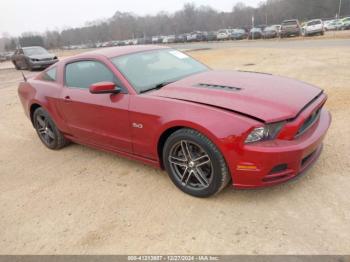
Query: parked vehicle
[(255, 33), (206, 128), (290, 28), (2, 57), (169, 39), (238, 34), (33, 57), (180, 38), (157, 39), (271, 32), (313, 27), (144, 40), (223, 34), (195, 36), (330, 25), (191, 37), (346, 23), (212, 36), (9, 55)]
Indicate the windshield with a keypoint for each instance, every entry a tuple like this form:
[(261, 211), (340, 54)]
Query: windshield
[(314, 23), (34, 51), (290, 22), (146, 70), (255, 30), (238, 31)]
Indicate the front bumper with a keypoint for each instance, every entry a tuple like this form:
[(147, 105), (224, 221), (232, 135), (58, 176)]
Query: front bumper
[(314, 31), (42, 64), (273, 162)]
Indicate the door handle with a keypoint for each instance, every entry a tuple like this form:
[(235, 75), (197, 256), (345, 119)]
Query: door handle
[(67, 99)]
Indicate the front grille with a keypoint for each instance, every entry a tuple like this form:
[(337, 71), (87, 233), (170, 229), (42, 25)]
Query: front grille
[(46, 59), (279, 168), (309, 122)]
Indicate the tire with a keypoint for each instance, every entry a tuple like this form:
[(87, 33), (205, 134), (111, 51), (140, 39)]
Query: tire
[(16, 66), (47, 131), (194, 163), (29, 67)]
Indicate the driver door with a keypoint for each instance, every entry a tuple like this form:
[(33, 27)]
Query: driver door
[(96, 119)]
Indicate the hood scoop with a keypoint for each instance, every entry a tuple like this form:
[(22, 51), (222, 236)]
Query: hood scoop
[(219, 87)]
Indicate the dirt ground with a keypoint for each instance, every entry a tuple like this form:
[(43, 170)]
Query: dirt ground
[(83, 201)]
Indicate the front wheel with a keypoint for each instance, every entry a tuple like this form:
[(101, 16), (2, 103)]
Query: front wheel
[(16, 66), (194, 163), (29, 66)]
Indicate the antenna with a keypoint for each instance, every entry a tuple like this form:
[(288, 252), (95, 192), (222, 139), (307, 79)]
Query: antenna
[(24, 77)]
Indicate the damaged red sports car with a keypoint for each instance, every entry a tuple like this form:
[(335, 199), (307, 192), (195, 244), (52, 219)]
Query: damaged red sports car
[(206, 128)]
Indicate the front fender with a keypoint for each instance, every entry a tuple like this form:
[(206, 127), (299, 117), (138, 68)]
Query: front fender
[(224, 128)]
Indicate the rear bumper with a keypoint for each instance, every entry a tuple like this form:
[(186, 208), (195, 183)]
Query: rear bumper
[(273, 162), (290, 32)]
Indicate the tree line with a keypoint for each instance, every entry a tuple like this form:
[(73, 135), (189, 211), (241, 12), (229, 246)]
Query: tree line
[(125, 25)]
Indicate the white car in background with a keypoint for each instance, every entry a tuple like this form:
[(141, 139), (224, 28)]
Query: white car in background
[(346, 23), (223, 34), (330, 25), (313, 27), (169, 39)]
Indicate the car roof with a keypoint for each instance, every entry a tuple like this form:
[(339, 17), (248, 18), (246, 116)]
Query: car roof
[(121, 50)]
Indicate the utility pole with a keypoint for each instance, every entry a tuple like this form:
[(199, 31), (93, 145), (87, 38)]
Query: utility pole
[(253, 27), (339, 9)]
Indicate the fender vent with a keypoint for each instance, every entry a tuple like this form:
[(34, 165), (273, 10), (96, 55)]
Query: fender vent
[(219, 87)]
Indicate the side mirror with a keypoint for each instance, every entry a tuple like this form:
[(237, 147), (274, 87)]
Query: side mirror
[(104, 88)]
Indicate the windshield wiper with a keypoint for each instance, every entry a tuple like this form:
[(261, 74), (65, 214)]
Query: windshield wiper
[(158, 86)]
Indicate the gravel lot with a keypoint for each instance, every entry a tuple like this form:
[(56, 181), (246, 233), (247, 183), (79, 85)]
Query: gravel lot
[(83, 201)]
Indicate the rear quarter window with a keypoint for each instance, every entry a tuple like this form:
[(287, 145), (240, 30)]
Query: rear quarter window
[(49, 75)]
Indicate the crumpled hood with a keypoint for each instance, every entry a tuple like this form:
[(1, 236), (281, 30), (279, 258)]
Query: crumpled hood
[(263, 96)]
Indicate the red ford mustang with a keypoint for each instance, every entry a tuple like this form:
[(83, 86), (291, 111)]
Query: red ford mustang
[(158, 105)]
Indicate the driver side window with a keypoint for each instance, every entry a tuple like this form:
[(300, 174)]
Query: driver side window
[(83, 74)]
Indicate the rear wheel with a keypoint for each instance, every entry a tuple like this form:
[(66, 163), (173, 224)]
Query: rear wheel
[(47, 131), (195, 164)]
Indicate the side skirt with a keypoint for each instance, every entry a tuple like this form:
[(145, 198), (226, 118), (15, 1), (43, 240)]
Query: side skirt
[(131, 156)]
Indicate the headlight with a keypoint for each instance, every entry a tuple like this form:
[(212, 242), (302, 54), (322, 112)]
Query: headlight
[(267, 132), (34, 59)]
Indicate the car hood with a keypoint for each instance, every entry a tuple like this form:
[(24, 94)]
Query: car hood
[(43, 56), (262, 96)]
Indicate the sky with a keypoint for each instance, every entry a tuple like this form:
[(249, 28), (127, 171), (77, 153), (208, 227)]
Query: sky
[(18, 16)]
